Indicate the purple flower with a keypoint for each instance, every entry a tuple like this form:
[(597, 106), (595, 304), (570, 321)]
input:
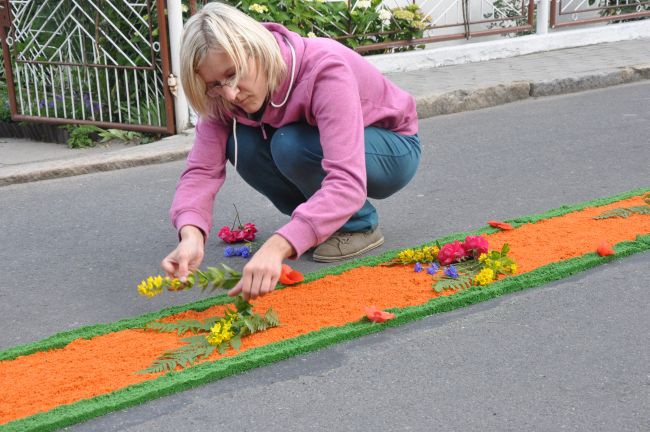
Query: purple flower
[(229, 251), (451, 272), (244, 252), (432, 269), (418, 267)]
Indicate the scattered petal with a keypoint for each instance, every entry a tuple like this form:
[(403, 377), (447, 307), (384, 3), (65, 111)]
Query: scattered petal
[(290, 276), (378, 316), (418, 267), (501, 225), (605, 249)]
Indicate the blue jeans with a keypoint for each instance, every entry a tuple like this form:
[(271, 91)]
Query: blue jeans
[(286, 168)]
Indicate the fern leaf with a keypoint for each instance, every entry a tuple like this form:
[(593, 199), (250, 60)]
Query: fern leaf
[(613, 213), (643, 210), (462, 282), (272, 318), (181, 327)]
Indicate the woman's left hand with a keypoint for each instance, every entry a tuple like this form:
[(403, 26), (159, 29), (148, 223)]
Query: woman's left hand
[(261, 273)]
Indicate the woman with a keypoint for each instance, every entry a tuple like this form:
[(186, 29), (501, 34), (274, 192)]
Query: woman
[(305, 121)]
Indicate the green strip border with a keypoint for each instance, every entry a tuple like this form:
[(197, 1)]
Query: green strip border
[(205, 372)]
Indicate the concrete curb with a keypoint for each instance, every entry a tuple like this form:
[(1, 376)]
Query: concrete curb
[(485, 97), (177, 147)]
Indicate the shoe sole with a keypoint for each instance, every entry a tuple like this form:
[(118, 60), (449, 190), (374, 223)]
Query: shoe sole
[(324, 259)]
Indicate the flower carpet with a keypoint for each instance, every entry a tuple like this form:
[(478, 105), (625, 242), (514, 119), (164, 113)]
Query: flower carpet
[(77, 375)]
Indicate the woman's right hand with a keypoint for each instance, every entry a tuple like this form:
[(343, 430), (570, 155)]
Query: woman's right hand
[(187, 256)]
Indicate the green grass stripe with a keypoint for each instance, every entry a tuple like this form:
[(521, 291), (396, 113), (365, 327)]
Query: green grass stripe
[(210, 371), (62, 339)]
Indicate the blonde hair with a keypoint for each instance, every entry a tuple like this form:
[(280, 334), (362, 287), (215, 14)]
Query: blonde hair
[(221, 27)]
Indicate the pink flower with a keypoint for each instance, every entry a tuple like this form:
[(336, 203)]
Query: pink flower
[(475, 246), (245, 233), (451, 253)]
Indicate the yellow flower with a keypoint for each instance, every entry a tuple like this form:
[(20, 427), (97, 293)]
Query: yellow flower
[(484, 277), (513, 268), (311, 35), (221, 332), (151, 287), (482, 257), (406, 256), (256, 7)]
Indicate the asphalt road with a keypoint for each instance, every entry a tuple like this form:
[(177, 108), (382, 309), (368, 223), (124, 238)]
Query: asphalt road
[(574, 355)]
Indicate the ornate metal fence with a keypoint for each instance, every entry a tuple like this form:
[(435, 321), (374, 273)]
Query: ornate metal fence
[(373, 26), (101, 62), (579, 12)]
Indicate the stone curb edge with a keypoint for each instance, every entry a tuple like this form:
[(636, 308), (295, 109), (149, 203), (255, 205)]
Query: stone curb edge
[(177, 147)]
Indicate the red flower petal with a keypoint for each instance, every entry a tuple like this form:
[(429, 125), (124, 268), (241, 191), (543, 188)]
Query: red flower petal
[(289, 276), (501, 225), (378, 316), (605, 249)]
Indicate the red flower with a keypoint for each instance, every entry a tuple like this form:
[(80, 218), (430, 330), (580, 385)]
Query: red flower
[(475, 246), (501, 225), (378, 316), (451, 253), (245, 233), (605, 249), (289, 276)]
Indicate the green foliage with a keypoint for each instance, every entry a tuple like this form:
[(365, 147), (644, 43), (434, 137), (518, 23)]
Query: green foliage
[(80, 135), (616, 7), (183, 326), (5, 112), (463, 281), (625, 212), (364, 24), (242, 320)]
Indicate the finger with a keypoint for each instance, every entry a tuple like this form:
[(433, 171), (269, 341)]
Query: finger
[(235, 290), (183, 268), (267, 285), (168, 266), (256, 285), (245, 282)]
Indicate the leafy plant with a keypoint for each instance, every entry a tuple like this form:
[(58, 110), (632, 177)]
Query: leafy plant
[(625, 212), (216, 333), (616, 7), (81, 136)]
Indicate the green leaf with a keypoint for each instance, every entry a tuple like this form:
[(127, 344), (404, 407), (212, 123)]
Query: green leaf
[(272, 318), (505, 249), (180, 327), (462, 282), (236, 342), (643, 210), (646, 198), (613, 213)]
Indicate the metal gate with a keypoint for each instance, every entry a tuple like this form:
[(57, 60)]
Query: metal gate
[(100, 62)]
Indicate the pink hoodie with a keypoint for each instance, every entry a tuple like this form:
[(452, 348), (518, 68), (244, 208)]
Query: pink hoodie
[(333, 88)]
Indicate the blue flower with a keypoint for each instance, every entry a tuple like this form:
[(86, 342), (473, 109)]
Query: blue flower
[(244, 252), (451, 272), (418, 267), (229, 251), (432, 269)]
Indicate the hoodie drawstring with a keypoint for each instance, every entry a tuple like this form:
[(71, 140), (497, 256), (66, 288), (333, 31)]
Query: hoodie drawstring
[(234, 136)]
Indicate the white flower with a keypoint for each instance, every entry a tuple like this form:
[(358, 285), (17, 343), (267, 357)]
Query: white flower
[(385, 16), (363, 4), (311, 35)]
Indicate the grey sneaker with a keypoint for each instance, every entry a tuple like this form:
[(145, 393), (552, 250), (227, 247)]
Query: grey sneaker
[(344, 245)]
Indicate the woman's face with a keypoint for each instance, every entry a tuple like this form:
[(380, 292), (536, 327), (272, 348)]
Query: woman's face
[(217, 70)]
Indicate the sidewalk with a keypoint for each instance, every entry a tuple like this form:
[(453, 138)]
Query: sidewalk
[(438, 91)]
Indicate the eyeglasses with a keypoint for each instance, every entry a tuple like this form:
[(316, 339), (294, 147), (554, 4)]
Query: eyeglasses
[(214, 89)]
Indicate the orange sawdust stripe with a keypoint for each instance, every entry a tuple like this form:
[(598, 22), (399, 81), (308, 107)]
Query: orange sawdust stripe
[(87, 368)]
